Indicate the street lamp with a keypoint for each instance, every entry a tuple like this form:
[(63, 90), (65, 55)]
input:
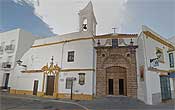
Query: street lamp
[(131, 47), (19, 62)]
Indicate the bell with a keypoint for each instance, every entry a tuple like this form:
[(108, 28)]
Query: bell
[(85, 26)]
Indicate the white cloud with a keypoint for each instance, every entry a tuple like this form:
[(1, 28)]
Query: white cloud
[(62, 15)]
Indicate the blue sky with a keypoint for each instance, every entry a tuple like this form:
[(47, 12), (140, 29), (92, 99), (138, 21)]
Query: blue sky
[(160, 16), (50, 17), (14, 15)]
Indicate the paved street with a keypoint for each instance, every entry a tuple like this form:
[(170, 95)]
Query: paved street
[(21, 102)]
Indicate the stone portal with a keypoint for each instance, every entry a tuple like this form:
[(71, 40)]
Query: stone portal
[(116, 71)]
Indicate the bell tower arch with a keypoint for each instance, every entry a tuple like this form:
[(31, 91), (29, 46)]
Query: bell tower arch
[(87, 20)]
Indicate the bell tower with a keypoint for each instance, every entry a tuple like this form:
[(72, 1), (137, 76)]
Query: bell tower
[(87, 20)]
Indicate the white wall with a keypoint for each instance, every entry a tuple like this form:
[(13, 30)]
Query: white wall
[(7, 37), (36, 58), (25, 42), (77, 88), (140, 53), (22, 41), (152, 79)]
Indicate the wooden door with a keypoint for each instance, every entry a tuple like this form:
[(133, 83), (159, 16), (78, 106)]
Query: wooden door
[(6, 80), (121, 86), (35, 87), (50, 85), (111, 87)]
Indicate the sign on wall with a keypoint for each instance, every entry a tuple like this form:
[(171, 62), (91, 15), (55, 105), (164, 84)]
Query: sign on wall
[(172, 75), (154, 62)]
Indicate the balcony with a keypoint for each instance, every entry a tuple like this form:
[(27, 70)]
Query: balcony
[(10, 48), (1, 50)]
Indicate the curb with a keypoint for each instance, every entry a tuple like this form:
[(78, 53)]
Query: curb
[(44, 99)]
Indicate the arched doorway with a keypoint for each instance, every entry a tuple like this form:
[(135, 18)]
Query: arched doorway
[(51, 75), (50, 85), (116, 80), (116, 72)]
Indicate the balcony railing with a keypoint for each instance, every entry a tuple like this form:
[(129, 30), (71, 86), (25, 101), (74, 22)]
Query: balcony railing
[(6, 65), (1, 49), (10, 48)]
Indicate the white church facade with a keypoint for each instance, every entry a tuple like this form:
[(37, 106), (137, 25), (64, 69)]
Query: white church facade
[(73, 59), (83, 65)]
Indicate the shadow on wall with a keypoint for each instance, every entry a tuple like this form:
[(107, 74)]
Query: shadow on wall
[(21, 15)]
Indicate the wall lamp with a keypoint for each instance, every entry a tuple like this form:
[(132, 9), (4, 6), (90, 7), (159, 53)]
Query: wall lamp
[(19, 62)]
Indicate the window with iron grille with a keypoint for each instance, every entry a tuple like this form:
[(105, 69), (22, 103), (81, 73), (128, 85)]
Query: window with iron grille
[(171, 60), (68, 83), (114, 43), (70, 56), (81, 78)]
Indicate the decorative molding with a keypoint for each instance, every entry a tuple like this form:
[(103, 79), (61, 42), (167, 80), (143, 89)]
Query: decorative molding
[(116, 36), (163, 74), (64, 41), (109, 47), (172, 71), (67, 70), (62, 70), (89, 38), (32, 71), (158, 70), (171, 50)]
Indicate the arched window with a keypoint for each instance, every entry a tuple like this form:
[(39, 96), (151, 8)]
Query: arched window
[(84, 27)]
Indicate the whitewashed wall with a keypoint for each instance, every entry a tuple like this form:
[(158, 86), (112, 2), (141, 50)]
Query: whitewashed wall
[(77, 88), (36, 58), (141, 91), (152, 79), (22, 41)]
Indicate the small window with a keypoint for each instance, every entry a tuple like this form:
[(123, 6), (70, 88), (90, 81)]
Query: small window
[(81, 78), (68, 83), (171, 60), (114, 43), (71, 56)]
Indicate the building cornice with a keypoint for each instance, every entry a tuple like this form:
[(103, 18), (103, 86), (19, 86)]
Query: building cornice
[(161, 70), (160, 40), (60, 42), (158, 70), (109, 36), (107, 47), (117, 36)]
